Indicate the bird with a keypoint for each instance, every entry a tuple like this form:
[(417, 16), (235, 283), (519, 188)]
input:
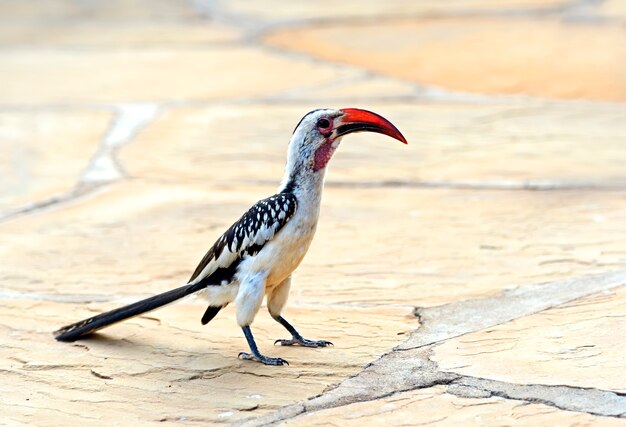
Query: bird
[(256, 256)]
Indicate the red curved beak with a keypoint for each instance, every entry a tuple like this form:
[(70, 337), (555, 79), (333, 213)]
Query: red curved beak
[(357, 120)]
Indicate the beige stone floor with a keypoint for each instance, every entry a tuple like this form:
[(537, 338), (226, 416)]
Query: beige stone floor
[(476, 276)]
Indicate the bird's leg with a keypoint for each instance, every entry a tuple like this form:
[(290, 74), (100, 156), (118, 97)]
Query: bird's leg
[(255, 355), (297, 338), (276, 301), (249, 298)]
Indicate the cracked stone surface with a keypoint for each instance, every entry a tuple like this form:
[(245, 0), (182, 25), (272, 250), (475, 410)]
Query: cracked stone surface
[(476, 276), (118, 368), (433, 406), (564, 344), (413, 368)]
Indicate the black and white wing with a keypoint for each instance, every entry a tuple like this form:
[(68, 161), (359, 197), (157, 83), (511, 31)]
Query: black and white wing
[(247, 236)]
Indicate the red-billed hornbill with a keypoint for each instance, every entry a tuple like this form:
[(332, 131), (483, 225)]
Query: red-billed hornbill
[(257, 254)]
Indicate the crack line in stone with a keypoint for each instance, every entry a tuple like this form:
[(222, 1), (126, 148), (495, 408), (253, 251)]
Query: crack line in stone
[(103, 168), (504, 185), (570, 398), (408, 366)]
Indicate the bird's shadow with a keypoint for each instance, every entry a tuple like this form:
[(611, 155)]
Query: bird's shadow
[(134, 347)]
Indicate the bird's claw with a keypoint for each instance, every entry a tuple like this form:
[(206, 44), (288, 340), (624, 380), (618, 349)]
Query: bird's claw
[(273, 361), (304, 342)]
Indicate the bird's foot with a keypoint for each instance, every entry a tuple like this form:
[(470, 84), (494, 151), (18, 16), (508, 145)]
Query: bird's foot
[(304, 342), (273, 361)]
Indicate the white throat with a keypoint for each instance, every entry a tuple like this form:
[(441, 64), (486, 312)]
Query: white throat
[(299, 177)]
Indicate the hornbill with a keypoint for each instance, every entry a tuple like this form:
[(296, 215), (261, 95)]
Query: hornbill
[(257, 254)]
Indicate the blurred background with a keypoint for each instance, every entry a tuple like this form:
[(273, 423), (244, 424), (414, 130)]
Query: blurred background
[(71, 68), (132, 132)]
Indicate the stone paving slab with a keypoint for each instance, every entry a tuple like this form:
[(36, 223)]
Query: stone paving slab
[(536, 57), (43, 153), (563, 345), (48, 76)]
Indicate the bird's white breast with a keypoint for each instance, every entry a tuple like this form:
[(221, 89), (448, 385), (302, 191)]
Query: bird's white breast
[(282, 255)]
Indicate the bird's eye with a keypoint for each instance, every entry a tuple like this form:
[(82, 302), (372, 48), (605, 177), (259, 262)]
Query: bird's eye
[(323, 123)]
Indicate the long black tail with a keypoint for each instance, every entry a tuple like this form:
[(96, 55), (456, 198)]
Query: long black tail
[(77, 330)]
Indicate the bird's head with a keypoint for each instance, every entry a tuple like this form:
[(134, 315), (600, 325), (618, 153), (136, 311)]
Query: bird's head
[(317, 136)]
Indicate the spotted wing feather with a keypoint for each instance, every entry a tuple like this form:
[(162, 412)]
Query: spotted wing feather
[(247, 236)]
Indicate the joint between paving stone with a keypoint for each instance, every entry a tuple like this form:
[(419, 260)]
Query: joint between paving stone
[(409, 367), (104, 167), (128, 121), (580, 399)]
